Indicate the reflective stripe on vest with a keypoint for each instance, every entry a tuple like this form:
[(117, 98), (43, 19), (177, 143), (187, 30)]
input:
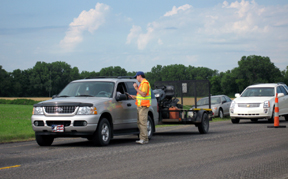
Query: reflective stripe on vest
[(144, 101)]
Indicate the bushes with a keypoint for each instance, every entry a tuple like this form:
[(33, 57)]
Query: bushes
[(19, 101)]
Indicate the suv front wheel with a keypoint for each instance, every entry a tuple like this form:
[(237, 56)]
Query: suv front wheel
[(150, 127), (44, 140), (271, 120), (102, 136), (235, 121), (286, 117)]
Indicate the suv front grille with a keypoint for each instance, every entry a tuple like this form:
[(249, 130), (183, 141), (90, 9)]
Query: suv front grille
[(59, 109), (248, 105), (65, 123)]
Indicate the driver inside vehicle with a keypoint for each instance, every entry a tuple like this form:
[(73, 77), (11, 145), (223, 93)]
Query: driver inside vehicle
[(83, 91), (105, 90)]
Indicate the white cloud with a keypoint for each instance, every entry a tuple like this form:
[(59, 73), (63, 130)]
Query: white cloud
[(175, 10), (227, 29), (143, 39), (87, 20), (134, 33)]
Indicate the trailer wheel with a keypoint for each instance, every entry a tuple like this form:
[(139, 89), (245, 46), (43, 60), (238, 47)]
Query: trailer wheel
[(203, 127)]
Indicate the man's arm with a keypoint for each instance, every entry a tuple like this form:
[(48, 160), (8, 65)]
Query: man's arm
[(144, 89)]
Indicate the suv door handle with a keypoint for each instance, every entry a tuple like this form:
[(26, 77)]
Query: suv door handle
[(128, 104)]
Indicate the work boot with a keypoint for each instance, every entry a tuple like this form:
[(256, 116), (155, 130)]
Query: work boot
[(141, 142)]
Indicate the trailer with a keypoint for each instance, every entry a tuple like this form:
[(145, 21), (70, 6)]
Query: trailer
[(173, 112)]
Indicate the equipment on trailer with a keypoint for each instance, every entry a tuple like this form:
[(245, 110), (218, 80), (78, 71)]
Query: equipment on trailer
[(172, 112)]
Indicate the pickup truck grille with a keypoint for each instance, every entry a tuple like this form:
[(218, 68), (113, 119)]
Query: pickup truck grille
[(60, 109), (248, 105)]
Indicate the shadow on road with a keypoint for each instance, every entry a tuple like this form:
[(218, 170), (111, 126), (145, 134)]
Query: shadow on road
[(86, 143), (245, 121), (175, 133)]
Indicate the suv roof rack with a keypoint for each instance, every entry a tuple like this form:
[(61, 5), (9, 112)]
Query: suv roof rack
[(119, 77), (280, 83)]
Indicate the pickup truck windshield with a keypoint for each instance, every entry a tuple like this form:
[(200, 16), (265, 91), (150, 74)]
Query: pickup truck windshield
[(88, 89)]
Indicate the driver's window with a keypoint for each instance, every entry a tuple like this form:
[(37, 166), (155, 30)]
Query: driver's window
[(121, 89), (223, 99), (283, 90)]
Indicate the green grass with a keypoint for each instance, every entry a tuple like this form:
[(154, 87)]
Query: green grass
[(219, 119), (15, 123)]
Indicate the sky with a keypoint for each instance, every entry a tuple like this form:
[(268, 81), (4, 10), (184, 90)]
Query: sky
[(138, 35)]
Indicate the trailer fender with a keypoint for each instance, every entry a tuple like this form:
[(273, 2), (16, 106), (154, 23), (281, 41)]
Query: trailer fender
[(199, 115)]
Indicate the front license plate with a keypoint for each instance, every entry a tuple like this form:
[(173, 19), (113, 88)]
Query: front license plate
[(57, 128)]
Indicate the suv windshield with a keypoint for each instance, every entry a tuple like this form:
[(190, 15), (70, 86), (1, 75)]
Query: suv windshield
[(258, 92), (88, 89)]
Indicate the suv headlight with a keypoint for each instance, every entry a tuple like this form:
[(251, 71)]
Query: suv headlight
[(232, 105), (86, 110), (266, 104), (38, 111)]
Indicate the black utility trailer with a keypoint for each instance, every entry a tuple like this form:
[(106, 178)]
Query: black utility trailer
[(172, 112)]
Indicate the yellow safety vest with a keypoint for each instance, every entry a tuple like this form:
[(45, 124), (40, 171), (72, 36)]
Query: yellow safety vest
[(144, 101)]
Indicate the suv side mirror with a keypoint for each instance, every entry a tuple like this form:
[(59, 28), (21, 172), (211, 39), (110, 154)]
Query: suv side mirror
[(237, 95), (54, 96), (280, 95), (121, 97)]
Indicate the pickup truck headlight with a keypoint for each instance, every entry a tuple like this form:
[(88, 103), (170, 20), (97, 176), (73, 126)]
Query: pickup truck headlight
[(38, 111), (86, 110), (266, 104)]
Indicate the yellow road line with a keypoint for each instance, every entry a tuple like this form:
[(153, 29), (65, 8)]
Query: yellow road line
[(10, 167)]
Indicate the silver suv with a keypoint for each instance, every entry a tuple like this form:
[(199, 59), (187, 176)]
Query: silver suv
[(96, 109)]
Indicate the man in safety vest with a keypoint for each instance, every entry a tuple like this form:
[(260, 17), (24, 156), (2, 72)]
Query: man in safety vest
[(143, 102)]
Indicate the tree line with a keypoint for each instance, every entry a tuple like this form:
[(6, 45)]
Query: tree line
[(47, 79)]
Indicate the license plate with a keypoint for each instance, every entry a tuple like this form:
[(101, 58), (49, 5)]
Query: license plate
[(57, 128)]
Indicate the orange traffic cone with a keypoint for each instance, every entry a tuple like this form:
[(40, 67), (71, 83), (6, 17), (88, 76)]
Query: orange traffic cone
[(276, 115)]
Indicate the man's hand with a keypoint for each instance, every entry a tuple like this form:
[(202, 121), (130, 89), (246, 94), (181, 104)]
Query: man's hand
[(135, 85)]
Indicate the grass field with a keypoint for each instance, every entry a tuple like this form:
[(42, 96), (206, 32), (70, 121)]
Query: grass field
[(15, 123)]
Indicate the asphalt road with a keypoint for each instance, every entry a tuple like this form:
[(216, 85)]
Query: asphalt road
[(245, 150)]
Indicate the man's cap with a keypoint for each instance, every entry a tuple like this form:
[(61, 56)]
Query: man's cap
[(139, 73)]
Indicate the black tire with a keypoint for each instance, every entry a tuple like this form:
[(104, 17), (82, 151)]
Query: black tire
[(271, 120), (44, 140), (286, 117), (235, 121), (179, 106), (221, 114), (102, 136), (203, 127), (150, 128), (254, 120)]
